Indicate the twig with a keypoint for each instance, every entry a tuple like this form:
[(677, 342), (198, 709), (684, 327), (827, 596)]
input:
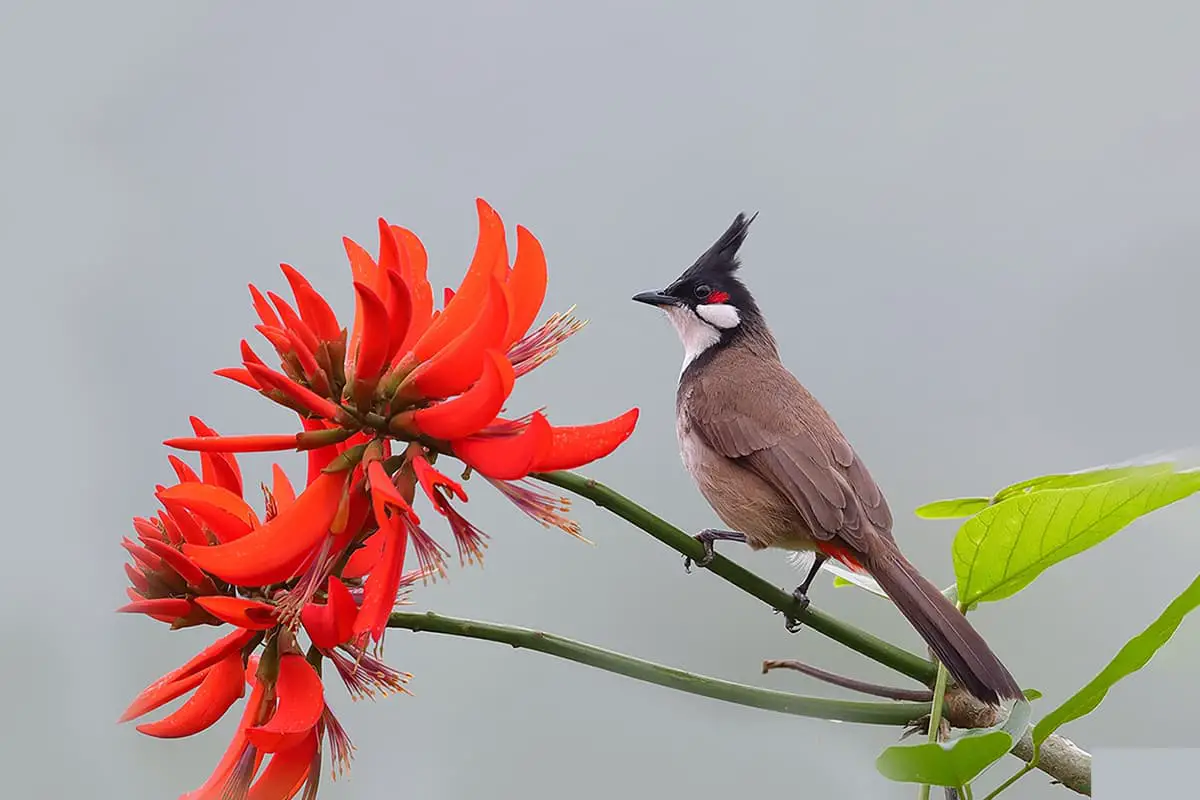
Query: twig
[(870, 713), (874, 689)]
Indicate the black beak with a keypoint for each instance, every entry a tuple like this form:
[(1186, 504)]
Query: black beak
[(656, 299)]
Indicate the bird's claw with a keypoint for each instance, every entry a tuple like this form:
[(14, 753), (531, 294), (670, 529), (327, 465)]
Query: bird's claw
[(703, 561), (793, 623)]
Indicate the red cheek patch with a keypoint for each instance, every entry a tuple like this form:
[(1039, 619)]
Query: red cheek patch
[(717, 297)]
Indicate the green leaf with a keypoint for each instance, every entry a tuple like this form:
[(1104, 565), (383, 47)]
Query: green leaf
[(960, 507), (1003, 548), (1033, 694), (1087, 477), (953, 763), (953, 509), (1136, 653), (958, 761)]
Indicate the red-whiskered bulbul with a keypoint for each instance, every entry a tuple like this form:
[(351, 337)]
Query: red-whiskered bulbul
[(777, 470)]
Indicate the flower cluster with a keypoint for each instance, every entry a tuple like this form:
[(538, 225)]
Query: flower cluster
[(379, 405)]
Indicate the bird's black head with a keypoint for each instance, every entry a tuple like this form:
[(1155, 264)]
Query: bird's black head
[(708, 304)]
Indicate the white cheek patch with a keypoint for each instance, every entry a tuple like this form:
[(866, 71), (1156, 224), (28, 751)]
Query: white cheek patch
[(721, 315), (696, 334)]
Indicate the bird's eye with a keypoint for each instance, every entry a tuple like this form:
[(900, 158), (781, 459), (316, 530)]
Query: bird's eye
[(702, 291)]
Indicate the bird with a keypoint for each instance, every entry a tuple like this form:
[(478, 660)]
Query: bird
[(774, 466)]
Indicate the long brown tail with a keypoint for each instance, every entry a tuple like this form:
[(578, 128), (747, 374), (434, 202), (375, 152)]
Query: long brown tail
[(943, 627)]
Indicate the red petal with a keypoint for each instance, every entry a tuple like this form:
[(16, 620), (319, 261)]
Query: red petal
[(141, 555), (178, 562), (248, 353), (365, 271), (157, 693), (382, 484), (137, 579), (365, 558), (429, 478), (573, 447), (472, 292), (183, 470), (506, 458), (167, 607), (294, 324), (287, 771), (460, 363), (390, 258), (526, 286), (250, 615), (413, 264), (321, 457), (263, 308), (238, 374), (147, 530), (174, 532), (352, 516), (375, 342), (302, 395), (281, 489), (218, 469), (301, 700), (225, 513), (474, 408), (400, 312), (221, 688), (333, 623), (258, 443), (268, 553), (286, 345), (379, 591), (314, 310), (189, 528)]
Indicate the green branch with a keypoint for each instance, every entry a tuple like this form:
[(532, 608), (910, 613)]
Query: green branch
[(872, 713), (871, 646)]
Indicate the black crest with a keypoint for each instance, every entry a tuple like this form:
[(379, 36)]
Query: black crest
[(721, 260)]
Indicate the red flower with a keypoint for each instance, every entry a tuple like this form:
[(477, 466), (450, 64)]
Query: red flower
[(379, 404)]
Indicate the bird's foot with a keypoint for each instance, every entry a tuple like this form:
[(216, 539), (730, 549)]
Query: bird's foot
[(706, 538), (793, 623), (921, 725)]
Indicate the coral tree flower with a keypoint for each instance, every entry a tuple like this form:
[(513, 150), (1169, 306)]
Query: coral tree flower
[(381, 405)]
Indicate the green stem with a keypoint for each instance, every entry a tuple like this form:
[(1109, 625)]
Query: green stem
[(871, 646), (935, 712), (872, 713), (1021, 773), (935, 718)]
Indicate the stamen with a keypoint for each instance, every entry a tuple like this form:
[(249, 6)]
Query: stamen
[(470, 540), (540, 345), (507, 427), (547, 509), (431, 556), (269, 505), (341, 749), (237, 785), (365, 675), (302, 593)]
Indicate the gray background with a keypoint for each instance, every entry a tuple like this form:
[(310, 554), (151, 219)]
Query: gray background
[(976, 245)]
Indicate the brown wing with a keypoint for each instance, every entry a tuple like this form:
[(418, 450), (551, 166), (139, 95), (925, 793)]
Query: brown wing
[(793, 444)]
